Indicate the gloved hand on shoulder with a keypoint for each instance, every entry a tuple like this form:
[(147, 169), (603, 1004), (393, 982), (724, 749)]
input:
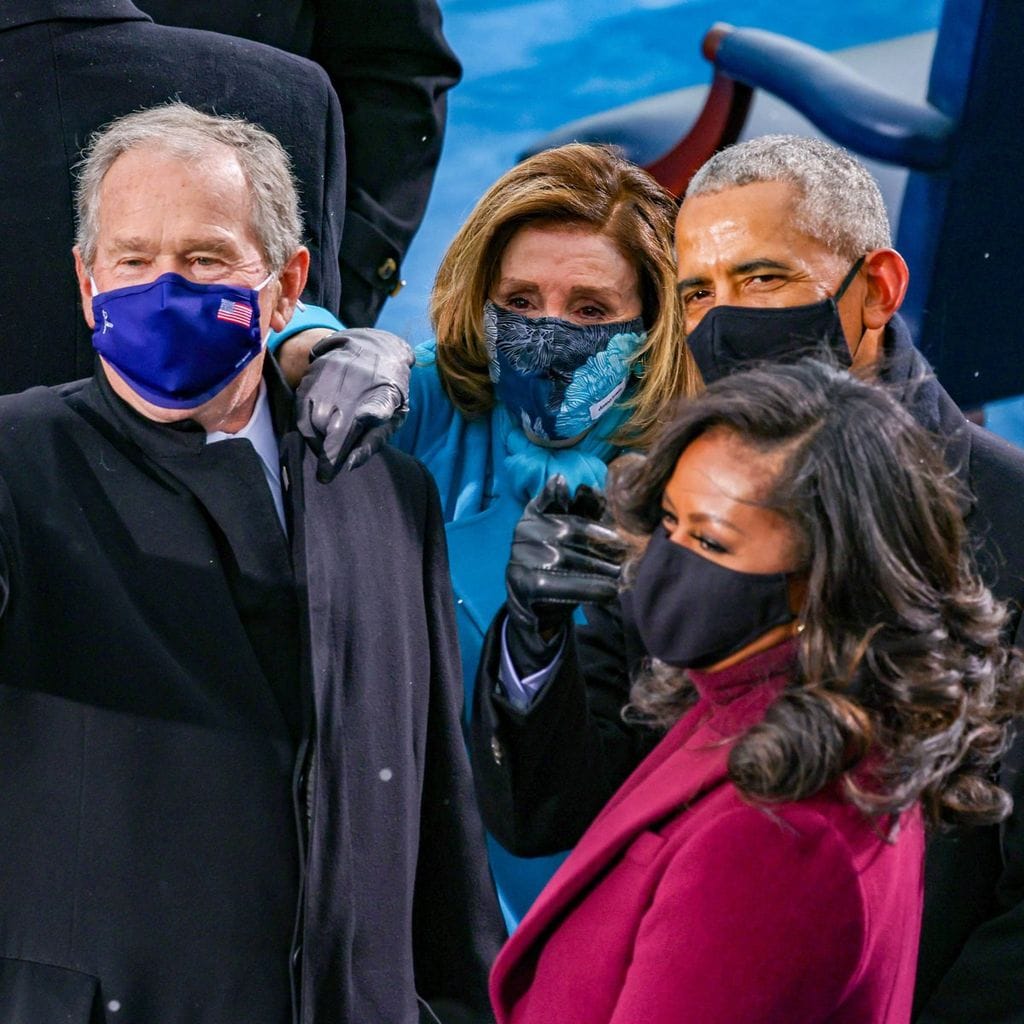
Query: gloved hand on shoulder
[(354, 397)]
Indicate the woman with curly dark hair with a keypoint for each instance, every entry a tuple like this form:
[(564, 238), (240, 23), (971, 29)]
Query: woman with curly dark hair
[(828, 668)]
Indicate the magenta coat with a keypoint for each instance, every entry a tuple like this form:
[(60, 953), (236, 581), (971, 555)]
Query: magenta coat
[(684, 903)]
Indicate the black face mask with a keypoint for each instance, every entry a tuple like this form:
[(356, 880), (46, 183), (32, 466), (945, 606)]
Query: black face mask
[(691, 612), (731, 338)]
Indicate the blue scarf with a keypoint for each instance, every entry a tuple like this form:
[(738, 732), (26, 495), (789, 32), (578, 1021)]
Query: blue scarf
[(528, 466)]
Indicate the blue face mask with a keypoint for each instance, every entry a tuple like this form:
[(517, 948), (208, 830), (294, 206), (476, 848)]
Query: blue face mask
[(557, 378), (175, 342)]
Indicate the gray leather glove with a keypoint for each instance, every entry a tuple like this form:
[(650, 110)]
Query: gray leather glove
[(354, 397), (562, 556)]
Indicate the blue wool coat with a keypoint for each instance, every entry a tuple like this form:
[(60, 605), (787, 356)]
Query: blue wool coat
[(466, 458)]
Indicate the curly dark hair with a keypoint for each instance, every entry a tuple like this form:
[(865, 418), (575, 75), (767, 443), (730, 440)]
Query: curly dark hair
[(905, 687)]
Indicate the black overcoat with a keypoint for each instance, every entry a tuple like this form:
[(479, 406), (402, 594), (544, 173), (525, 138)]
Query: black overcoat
[(543, 775), (67, 68), (192, 824)]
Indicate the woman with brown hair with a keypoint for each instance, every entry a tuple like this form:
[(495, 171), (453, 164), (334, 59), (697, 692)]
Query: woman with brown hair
[(828, 673), (577, 203), (558, 345)]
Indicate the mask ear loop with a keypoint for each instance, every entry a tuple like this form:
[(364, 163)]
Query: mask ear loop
[(848, 280), (263, 284), (841, 291)]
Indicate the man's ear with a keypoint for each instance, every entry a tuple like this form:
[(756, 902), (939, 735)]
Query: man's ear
[(291, 281), (84, 287), (886, 277)]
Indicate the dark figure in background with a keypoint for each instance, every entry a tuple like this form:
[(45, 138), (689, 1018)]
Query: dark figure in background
[(68, 69), (391, 67), (233, 782), (783, 246)]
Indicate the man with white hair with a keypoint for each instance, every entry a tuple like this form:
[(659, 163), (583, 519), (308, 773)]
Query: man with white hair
[(232, 778)]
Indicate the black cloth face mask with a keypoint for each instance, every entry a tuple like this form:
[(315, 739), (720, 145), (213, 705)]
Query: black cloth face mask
[(731, 338), (691, 612)]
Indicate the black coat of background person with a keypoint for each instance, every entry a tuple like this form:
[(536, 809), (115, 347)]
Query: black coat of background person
[(542, 776), (67, 68), (391, 67), (162, 822)]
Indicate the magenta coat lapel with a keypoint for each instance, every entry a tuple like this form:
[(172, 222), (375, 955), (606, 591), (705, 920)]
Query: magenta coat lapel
[(690, 761), (671, 777)]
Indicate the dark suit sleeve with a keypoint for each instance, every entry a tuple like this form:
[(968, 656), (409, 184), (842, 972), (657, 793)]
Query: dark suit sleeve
[(986, 982), (7, 532), (982, 978), (390, 64), (457, 927), (542, 775), (326, 166)]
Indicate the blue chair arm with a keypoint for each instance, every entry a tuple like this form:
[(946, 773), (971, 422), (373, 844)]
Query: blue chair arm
[(847, 107)]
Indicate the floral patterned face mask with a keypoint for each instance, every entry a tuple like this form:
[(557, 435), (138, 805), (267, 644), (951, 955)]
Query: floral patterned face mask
[(557, 378)]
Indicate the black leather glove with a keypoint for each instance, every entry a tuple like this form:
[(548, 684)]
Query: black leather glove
[(354, 397), (562, 556)]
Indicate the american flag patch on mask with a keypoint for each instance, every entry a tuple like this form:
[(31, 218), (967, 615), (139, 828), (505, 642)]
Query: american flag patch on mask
[(235, 312)]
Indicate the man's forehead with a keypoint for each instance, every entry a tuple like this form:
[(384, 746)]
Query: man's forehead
[(214, 241), (147, 178), (758, 203), (214, 165), (744, 224), (156, 201)]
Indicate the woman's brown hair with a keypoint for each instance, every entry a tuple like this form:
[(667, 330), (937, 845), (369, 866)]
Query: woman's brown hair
[(593, 188), (905, 686)]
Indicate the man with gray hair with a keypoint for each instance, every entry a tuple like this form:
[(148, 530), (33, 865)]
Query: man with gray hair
[(783, 250), (232, 778), (796, 223)]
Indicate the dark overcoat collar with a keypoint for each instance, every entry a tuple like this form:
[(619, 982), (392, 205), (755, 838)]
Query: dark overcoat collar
[(18, 13), (916, 388)]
